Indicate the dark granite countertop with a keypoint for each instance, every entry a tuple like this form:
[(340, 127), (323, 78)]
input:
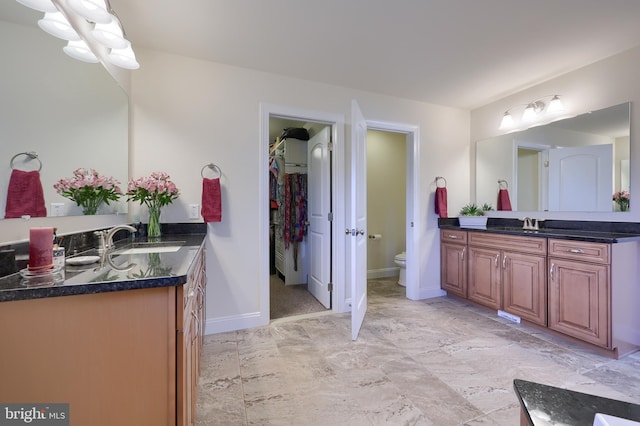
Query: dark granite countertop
[(549, 405), (599, 232), (114, 271)]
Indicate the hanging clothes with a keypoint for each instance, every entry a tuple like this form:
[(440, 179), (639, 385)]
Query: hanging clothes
[(295, 211)]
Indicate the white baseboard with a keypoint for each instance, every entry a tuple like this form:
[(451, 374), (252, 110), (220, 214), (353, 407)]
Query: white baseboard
[(382, 273), (233, 323)]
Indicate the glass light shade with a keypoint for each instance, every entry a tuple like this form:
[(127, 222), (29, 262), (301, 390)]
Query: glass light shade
[(529, 113), (124, 58), (555, 105), (57, 25), (110, 34), (91, 10), (41, 5), (79, 50), (507, 121)]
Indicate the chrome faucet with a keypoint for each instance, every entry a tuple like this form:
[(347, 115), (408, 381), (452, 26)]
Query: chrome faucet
[(526, 223), (105, 238)]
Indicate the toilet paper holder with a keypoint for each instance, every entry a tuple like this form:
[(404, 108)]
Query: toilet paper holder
[(375, 236)]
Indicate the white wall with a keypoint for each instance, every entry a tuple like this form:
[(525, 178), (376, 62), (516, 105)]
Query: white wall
[(386, 200), (606, 83), (188, 112)]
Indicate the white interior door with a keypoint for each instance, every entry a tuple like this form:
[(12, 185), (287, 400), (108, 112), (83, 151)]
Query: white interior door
[(357, 220), (318, 208), (581, 178)]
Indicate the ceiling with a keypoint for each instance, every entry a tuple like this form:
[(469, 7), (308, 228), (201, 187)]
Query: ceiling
[(458, 53)]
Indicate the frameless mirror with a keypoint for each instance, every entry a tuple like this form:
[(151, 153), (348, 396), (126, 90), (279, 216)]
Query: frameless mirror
[(72, 114), (575, 164)]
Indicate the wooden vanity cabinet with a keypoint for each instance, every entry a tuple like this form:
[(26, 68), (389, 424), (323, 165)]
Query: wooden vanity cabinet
[(453, 264), (189, 340), (579, 290), (509, 273)]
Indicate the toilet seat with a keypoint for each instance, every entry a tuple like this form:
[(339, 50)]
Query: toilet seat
[(402, 257)]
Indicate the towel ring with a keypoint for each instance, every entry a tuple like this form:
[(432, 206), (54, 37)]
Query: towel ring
[(32, 155), (212, 167), (503, 182), (441, 178)]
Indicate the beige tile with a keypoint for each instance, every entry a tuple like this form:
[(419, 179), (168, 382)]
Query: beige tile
[(434, 362)]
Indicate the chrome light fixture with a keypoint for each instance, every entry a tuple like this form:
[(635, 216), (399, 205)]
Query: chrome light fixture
[(532, 110)]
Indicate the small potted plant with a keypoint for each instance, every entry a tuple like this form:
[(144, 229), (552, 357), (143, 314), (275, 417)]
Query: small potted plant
[(473, 216)]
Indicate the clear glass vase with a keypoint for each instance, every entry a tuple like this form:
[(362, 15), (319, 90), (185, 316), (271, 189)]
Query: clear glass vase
[(153, 228), (90, 206)]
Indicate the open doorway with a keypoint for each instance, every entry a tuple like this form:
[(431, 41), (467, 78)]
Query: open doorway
[(299, 227), (386, 207)]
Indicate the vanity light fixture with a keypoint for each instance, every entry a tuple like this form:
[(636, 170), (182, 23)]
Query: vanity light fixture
[(532, 110), (103, 25)]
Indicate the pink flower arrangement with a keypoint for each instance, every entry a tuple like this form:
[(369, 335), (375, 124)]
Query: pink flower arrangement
[(89, 189), (622, 198), (156, 190)]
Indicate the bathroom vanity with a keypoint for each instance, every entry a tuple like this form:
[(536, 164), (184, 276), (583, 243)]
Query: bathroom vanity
[(580, 284), (119, 339)]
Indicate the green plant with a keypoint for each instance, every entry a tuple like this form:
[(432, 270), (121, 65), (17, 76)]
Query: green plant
[(472, 209)]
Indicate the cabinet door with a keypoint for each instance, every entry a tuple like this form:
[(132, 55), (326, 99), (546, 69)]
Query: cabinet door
[(453, 269), (484, 277), (579, 300), (524, 286)]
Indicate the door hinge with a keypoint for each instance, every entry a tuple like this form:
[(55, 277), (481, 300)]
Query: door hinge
[(330, 216), (330, 146), (330, 287)]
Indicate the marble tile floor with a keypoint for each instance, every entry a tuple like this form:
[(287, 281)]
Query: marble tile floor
[(432, 362)]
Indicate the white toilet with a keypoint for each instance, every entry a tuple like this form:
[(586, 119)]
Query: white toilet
[(401, 261)]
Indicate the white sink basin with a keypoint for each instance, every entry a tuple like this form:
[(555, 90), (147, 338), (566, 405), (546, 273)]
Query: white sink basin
[(608, 420), (152, 249)]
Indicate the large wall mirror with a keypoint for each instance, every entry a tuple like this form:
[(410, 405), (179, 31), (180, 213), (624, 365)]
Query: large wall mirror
[(72, 114), (575, 164)]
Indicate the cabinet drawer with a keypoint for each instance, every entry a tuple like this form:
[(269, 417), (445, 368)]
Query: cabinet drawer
[(516, 243), (580, 250), (453, 236)]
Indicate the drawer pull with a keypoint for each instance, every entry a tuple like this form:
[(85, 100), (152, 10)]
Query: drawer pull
[(496, 261), (462, 253), (454, 237), (575, 250), (504, 261), (553, 265)]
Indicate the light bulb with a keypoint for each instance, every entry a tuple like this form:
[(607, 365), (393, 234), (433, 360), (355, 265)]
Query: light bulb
[(507, 121), (41, 5), (124, 58), (79, 50), (555, 105), (91, 10), (57, 25), (110, 34), (529, 113)]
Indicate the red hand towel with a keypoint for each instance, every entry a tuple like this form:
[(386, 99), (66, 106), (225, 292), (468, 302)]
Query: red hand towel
[(441, 202), (211, 200), (25, 195), (503, 200)]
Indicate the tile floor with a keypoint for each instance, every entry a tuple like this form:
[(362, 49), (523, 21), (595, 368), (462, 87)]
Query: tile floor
[(433, 362)]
